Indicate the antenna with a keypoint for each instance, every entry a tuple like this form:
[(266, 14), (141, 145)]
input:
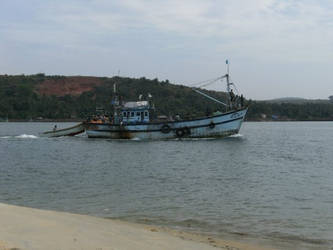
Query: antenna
[(227, 75)]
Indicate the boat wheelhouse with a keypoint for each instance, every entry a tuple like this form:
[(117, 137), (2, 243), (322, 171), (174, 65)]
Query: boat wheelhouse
[(135, 112)]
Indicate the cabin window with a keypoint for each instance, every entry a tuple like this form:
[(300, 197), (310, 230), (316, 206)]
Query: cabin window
[(146, 113), (132, 114), (137, 113), (124, 113)]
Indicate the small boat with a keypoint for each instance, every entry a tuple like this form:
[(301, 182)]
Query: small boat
[(71, 131), (131, 120)]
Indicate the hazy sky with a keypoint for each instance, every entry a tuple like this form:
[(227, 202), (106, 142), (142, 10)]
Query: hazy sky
[(276, 48)]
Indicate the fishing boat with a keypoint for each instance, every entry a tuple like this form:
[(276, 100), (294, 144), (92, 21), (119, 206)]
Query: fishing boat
[(132, 120)]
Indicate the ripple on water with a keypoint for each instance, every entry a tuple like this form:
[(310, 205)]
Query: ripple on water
[(269, 181)]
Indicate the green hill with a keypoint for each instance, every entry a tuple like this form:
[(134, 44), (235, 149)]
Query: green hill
[(296, 100), (40, 97), (60, 97)]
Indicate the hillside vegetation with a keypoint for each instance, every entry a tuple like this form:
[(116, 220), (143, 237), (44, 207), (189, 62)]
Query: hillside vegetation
[(307, 111), (39, 97), (59, 97)]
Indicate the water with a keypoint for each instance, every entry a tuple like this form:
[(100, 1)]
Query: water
[(272, 182)]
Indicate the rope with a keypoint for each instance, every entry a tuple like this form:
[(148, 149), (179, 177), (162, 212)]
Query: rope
[(205, 83), (237, 92)]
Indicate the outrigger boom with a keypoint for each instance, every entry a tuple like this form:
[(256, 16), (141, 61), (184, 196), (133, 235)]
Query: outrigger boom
[(209, 97)]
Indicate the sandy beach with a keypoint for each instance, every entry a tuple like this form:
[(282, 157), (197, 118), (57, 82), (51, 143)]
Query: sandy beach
[(29, 228)]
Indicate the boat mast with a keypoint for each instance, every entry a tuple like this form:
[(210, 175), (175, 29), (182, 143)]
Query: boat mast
[(115, 103), (231, 95), (227, 76)]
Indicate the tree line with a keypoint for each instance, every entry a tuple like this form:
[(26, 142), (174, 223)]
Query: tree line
[(19, 99), (307, 111)]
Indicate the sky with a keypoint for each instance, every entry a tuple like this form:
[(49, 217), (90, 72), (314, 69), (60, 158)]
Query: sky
[(275, 48)]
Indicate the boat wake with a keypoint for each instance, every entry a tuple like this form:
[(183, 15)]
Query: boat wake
[(23, 136), (194, 139), (236, 136)]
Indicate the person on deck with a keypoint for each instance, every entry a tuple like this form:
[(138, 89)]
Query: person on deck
[(232, 98), (232, 95), (242, 100)]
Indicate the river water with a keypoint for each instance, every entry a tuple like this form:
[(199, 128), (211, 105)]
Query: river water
[(273, 182)]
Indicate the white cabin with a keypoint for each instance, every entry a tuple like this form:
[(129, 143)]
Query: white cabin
[(135, 112)]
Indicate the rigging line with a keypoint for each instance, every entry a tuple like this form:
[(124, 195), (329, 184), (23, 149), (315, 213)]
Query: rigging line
[(235, 87), (209, 83), (209, 97), (206, 81)]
